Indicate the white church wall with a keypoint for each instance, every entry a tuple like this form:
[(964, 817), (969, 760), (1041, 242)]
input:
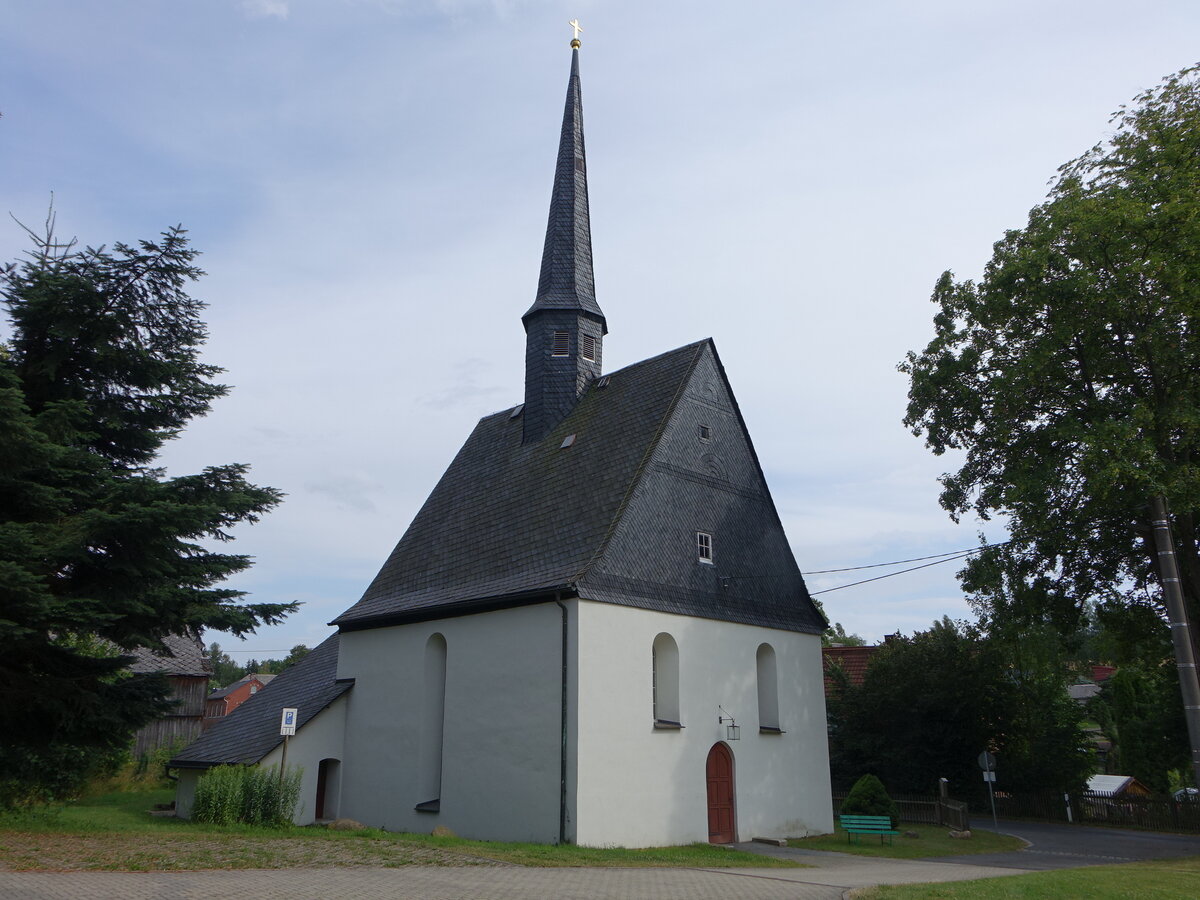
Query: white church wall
[(501, 729), (639, 786), (322, 737)]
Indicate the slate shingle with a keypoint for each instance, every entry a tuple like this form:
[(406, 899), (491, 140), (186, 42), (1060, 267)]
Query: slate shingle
[(566, 280), (185, 657), (251, 731), (512, 522)]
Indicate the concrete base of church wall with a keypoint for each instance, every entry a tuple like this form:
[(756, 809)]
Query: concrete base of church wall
[(501, 738), (638, 786)]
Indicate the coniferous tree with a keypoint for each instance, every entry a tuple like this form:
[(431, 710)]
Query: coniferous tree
[(98, 548)]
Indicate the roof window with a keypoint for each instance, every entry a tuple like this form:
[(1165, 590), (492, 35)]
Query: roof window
[(704, 547), (567, 442), (561, 345), (516, 410), (705, 433)]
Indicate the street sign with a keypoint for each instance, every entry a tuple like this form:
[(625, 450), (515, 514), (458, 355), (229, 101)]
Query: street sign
[(987, 762), (288, 724)]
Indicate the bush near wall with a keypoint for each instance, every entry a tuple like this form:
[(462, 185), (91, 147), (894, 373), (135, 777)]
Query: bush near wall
[(228, 795), (869, 797)]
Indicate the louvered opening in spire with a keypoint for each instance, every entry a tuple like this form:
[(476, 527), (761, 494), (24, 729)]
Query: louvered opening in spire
[(566, 280)]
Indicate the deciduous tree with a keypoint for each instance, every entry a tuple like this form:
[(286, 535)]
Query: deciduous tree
[(1069, 376)]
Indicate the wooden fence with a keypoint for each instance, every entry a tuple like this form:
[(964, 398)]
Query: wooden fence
[(1148, 813), (924, 810)]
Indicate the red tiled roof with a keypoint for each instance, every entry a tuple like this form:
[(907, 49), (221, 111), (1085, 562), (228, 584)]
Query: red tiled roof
[(853, 661)]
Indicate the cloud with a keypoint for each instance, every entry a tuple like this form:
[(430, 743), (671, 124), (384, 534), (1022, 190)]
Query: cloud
[(265, 9)]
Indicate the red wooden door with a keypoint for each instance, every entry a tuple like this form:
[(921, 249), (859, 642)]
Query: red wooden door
[(719, 772)]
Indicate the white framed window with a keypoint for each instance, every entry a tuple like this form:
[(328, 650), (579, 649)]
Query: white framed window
[(704, 547), (560, 345), (587, 347)]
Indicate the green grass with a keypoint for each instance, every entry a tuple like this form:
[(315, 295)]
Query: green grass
[(116, 832), (1168, 879), (934, 840), (690, 855)]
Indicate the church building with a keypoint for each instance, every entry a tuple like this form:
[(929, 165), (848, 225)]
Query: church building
[(594, 630)]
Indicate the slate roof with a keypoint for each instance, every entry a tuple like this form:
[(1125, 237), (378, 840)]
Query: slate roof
[(186, 657), (512, 522), (566, 280), (510, 519), (226, 691), (251, 731)]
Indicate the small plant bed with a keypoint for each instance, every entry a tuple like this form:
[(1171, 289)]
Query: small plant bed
[(1167, 879), (117, 832), (933, 840)]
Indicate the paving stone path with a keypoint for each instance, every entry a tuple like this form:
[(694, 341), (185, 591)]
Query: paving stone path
[(832, 875)]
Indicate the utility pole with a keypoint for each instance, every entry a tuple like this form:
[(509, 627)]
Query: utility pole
[(1181, 638)]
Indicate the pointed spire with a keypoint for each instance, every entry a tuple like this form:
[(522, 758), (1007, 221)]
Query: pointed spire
[(566, 280)]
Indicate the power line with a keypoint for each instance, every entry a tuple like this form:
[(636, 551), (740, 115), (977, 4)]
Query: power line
[(223, 650), (899, 562), (901, 572)]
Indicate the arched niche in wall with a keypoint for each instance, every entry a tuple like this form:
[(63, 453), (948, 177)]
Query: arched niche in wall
[(433, 722), (768, 690), (665, 666)]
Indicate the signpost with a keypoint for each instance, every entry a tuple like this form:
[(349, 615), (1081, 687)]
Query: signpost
[(987, 762), (287, 727)]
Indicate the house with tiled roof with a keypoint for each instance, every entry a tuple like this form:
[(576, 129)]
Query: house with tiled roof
[(852, 661), (222, 701), (594, 630)]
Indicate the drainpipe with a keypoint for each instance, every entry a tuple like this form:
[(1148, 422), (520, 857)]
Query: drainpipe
[(562, 758)]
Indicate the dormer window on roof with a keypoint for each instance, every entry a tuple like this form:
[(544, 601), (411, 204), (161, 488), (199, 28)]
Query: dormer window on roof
[(561, 345), (704, 547)]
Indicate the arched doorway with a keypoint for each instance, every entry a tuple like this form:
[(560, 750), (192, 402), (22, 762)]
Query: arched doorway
[(719, 774), (328, 788)]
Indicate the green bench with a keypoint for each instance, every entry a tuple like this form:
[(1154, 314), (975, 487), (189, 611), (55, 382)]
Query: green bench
[(856, 825)]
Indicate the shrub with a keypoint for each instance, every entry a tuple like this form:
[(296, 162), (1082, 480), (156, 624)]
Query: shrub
[(253, 795), (869, 797)]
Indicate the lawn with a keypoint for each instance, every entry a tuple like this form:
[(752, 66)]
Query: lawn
[(116, 832), (934, 840), (1168, 879)]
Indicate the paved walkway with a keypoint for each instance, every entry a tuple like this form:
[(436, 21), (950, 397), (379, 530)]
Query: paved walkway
[(832, 875)]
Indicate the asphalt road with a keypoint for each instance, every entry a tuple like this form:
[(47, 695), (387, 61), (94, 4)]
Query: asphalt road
[(1053, 846)]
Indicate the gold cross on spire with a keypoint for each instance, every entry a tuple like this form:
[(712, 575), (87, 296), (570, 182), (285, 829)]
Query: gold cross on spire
[(574, 23)]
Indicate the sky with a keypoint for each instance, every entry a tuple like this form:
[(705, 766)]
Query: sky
[(368, 181)]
